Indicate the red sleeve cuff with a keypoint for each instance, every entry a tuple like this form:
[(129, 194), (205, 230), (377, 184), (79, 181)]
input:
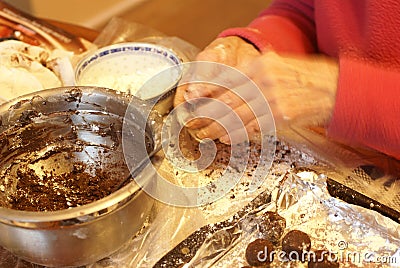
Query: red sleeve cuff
[(274, 32), (253, 36)]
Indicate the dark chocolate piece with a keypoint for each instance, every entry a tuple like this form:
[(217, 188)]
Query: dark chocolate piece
[(296, 245), (259, 252)]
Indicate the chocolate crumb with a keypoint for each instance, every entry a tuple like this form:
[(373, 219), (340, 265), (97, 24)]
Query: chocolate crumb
[(272, 226)]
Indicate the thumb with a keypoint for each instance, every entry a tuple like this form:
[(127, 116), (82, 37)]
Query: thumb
[(180, 95)]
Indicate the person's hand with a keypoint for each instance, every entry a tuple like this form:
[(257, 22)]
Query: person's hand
[(232, 51), (299, 90)]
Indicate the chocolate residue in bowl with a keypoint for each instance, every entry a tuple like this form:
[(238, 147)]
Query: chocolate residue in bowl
[(27, 116), (60, 160), (55, 192), (74, 95)]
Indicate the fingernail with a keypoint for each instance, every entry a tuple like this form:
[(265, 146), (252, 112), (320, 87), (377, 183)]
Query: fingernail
[(202, 134), (225, 140), (190, 124)]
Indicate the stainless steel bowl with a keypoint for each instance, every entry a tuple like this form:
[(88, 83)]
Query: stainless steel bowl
[(50, 131)]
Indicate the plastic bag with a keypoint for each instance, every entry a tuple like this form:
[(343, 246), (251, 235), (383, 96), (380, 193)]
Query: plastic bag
[(119, 30)]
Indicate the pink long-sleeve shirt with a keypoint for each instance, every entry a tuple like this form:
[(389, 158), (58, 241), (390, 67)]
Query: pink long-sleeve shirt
[(365, 37)]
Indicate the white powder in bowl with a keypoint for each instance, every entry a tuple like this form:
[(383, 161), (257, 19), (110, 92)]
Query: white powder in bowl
[(127, 70)]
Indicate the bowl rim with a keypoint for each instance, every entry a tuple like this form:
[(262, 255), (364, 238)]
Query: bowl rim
[(119, 197)]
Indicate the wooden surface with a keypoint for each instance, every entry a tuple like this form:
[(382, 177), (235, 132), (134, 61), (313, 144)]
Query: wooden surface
[(195, 21)]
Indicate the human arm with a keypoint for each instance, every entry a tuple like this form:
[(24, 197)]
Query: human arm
[(299, 89), (286, 27), (367, 106)]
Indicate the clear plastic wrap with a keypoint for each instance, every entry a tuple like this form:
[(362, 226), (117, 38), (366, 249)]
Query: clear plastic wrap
[(300, 197), (369, 172), (357, 236), (119, 30)]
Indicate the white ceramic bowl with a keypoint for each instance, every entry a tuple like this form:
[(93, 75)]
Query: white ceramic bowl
[(145, 70)]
